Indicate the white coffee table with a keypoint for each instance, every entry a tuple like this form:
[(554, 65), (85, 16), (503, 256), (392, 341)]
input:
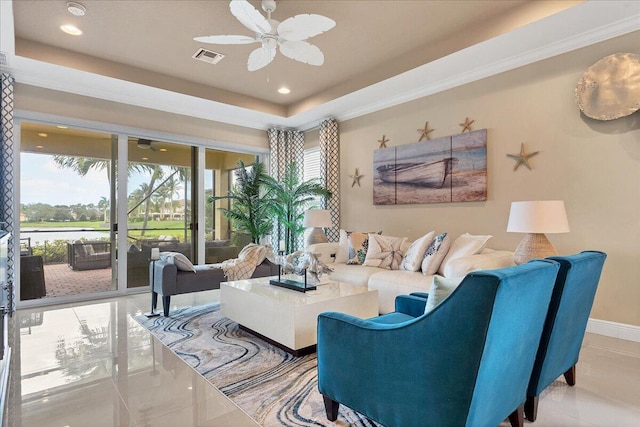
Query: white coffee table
[(289, 318)]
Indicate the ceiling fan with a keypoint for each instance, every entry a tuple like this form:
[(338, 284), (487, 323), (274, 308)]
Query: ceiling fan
[(289, 35), (146, 144)]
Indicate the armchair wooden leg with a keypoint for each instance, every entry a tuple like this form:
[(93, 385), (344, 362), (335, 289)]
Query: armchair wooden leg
[(570, 376), (531, 408), (331, 407), (166, 302), (517, 417)]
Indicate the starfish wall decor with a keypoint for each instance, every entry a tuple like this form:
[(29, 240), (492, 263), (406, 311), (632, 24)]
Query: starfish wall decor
[(522, 158), (466, 125), (383, 141), (356, 178), (424, 133)]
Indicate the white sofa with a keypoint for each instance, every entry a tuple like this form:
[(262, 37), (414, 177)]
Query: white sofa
[(391, 283)]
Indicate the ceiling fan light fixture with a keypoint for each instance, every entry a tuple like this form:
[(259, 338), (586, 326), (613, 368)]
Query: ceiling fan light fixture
[(269, 42)]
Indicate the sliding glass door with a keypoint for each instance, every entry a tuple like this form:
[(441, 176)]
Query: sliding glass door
[(221, 241), (67, 181), (159, 204)]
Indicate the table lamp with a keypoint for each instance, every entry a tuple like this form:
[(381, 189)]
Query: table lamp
[(317, 219), (536, 218)]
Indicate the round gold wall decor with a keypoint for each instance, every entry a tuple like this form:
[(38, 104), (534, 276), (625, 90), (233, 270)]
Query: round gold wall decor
[(610, 88)]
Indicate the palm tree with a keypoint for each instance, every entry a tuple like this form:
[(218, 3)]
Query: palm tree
[(103, 205), (172, 187), (83, 165), (250, 206), (136, 198), (289, 200)]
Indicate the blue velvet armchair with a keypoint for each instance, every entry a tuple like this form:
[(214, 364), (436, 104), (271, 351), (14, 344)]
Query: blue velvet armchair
[(465, 363), (566, 323)]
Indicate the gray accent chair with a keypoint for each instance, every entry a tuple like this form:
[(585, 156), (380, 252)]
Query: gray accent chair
[(168, 280)]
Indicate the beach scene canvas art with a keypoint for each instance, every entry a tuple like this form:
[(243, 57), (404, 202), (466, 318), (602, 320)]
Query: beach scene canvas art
[(447, 169)]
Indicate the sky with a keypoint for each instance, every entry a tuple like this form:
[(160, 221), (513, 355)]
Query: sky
[(42, 181)]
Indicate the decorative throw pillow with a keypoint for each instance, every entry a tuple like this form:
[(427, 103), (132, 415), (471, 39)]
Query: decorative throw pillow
[(179, 260), (441, 287), (464, 245), (358, 246), (384, 252), (414, 255), (435, 253), (487, 259), (253, 253)]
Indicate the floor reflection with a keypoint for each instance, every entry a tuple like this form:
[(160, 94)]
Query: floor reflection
[(93, 364)]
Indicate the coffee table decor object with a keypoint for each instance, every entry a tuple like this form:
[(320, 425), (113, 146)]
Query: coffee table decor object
[(300, 263)]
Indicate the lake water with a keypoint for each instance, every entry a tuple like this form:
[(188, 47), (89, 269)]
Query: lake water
[(61, 233)]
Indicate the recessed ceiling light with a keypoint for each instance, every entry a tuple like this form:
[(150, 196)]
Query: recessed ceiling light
[(76, 8), (71, 29), (61, 127), (284, 90), (145, 158), (44, 135), (39, 146), (163, 149)]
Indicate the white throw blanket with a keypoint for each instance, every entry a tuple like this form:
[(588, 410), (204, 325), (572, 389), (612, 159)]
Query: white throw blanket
[(243, 267)]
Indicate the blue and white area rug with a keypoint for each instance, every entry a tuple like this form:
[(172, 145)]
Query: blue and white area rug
[(271, 385)]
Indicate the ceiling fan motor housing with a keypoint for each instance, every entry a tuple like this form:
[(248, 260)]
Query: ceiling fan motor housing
[(268, 5)]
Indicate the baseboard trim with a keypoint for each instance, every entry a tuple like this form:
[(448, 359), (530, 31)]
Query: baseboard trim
[(614, 329)]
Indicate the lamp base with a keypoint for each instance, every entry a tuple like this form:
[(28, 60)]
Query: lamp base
[(533, 245), (316, 236)]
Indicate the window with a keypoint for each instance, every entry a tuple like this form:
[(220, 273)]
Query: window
[(311, 168)]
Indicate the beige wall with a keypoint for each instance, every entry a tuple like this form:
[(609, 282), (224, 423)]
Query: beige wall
[(593, 166)]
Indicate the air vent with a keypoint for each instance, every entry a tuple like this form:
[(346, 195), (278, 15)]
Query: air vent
[(3, 59), (208, 56)]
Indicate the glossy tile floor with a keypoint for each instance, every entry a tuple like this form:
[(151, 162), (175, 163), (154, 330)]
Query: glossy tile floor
[(92, 364)]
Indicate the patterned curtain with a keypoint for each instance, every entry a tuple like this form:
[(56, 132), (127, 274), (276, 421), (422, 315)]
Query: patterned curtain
[(330, 167), (286, 147), (6, 171)]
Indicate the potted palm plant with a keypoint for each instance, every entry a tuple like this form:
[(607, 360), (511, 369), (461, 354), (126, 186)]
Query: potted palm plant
[(288, 200), (250, 209)]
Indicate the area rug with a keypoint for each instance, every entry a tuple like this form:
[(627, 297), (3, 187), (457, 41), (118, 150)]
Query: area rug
[(272, 386)]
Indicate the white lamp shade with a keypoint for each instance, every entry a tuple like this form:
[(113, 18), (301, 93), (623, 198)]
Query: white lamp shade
[(317, 218), (155, 254), (546, 216)]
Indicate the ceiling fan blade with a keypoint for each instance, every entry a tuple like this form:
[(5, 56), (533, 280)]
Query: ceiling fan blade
[(226, 39), (259, 58), (301, 27), (302, 52), (249, 16)]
